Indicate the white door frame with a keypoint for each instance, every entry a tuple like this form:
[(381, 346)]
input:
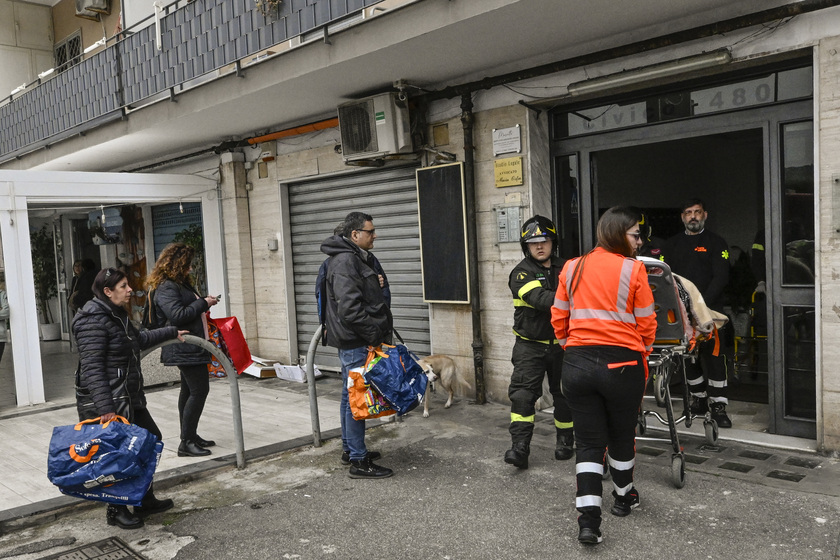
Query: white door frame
[(21, 189)]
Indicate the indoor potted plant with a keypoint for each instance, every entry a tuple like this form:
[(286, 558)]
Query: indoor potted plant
[(46, 287)]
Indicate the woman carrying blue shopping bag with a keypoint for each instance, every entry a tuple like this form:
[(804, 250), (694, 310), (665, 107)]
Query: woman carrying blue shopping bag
[(109, 380)]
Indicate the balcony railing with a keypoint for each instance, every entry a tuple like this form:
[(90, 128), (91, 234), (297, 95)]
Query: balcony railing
[(197, 38)]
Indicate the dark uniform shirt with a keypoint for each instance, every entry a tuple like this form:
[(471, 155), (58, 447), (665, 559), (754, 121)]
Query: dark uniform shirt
[(703, 259), (533, 287)]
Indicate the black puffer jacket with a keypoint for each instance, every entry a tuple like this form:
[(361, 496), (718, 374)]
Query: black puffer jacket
[(109, 378), (180, 305), (356, 312)]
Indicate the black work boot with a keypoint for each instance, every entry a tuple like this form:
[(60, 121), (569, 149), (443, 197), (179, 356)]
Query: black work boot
[(366, 468), (719, 415), (565, 445), (150, 505), (625, 504), (518, 455), (699, 405), (122, 518)]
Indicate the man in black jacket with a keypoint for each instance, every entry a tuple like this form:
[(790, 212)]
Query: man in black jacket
[(536, 352), (355, 316), (703, 257)]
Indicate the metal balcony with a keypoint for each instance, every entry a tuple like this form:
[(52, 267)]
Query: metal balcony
[(197, 39)]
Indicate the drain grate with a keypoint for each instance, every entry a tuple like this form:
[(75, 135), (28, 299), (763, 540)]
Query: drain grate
[(695, 460), (800, 462), (652, 451), (785, 475), (737, 467), (757, 455), (109, 549)]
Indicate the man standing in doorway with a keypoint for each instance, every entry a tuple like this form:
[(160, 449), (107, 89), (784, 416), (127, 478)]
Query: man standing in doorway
[(536, 352), (703, 257), (355, 316)]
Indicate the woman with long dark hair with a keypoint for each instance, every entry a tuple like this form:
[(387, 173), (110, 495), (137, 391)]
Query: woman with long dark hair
[(109, 380), (178, 303), (604, 316)]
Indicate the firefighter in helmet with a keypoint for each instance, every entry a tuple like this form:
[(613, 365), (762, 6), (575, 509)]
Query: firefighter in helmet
[(536, 351)]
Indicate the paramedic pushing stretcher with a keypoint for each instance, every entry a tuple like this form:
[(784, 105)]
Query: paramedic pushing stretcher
[(604, 317), (536, 352), (703, 257)]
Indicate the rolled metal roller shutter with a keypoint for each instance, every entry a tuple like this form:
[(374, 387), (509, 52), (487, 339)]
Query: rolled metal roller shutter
[(317, 207)]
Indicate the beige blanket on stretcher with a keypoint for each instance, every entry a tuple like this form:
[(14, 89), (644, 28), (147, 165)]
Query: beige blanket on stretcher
[(703, 318)]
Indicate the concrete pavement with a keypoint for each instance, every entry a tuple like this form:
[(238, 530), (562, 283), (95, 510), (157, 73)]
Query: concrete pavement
[(453, 497)]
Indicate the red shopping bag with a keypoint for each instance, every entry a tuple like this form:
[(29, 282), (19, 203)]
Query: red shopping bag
[(237, 348)]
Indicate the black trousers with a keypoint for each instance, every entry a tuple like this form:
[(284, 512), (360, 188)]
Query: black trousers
[(532, 361), (195, 386), (604, 386), (143, 418), (707, 377)]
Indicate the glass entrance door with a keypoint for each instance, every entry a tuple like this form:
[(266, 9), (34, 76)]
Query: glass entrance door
[(791, 273), (755, 170)]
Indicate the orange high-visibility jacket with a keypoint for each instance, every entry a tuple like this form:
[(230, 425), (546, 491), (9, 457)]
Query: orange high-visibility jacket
[(612, 304)]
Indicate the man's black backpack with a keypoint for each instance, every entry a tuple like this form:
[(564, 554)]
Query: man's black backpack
[(149, 316)]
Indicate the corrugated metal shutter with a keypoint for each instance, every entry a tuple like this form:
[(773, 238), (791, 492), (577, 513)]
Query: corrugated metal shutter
[(317, 207)]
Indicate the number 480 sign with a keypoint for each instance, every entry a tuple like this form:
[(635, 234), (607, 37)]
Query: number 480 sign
[(734, 96)]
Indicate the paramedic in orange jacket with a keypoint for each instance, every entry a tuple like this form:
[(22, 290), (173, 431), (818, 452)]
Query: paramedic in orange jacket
[(604, 317)]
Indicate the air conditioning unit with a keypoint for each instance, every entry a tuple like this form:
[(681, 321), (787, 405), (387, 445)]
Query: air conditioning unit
[(374, 127), (89, 8)]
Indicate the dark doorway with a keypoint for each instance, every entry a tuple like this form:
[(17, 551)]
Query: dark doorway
[(727, 171)]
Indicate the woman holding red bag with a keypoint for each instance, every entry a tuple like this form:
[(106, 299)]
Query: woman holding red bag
[(177, 303)]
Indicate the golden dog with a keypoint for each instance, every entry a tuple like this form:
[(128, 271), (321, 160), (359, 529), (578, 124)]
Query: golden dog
[(439, 367)]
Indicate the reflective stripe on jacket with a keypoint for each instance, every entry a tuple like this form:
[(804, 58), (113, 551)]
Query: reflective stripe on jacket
[(612, 304), (533, 287)]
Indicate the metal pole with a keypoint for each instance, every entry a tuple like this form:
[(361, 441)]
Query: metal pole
[(467, 121), (236, 407), (310, 379)]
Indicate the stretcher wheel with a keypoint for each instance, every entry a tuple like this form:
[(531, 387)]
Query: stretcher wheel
[(642, 423), (659, 384), (678, 470), (711, 428)]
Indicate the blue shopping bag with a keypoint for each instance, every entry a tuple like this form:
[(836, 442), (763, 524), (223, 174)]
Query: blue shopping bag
[(395, 373), (112, 462)]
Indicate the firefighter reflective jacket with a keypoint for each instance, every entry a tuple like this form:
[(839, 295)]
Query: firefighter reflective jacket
[(612, 304), (533, 287)]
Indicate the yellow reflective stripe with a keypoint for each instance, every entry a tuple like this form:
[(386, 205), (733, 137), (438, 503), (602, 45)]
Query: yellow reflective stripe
[(519, 418), (758, 246), (533, 284), (522, 303), (555, 341), (563, 425)]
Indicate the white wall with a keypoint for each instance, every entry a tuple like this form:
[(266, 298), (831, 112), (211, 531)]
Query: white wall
[(26, 43)]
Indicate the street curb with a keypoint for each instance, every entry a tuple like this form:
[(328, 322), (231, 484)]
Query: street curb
[(47, 511)]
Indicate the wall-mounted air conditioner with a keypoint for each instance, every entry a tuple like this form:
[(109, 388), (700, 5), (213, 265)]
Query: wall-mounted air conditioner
[(90, 9), (374, 127)]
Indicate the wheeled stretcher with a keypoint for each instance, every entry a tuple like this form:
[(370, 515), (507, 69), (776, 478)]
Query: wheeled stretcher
[(677, 333)]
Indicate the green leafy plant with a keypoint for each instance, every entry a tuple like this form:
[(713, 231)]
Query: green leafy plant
[(193, 236), (43, 269)]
